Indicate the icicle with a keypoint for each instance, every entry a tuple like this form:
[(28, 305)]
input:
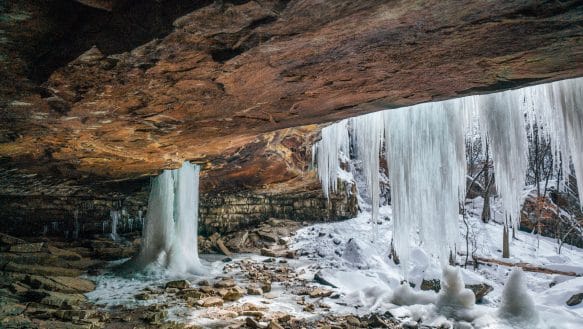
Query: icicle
[(141, 218), (115, 216), (504, 128), (368, 136), (76, 227), (171, 223), (426, 154), (427, 168), (334, 142), (558, 108)]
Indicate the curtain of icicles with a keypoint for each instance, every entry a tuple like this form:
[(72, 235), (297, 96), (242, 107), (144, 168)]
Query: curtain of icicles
[(425, 154)]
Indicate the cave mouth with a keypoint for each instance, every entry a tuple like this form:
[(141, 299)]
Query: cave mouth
[(76, 27), (403, 218)]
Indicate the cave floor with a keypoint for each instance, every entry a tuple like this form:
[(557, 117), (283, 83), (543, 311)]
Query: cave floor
[(282, 275)]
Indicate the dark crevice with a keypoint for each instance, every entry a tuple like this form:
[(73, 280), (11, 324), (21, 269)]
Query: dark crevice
[(500, 85), (75, 28), (223, 55), (262, 21)]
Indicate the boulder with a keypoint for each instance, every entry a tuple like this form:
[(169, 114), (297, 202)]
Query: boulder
[(233, 294), (178, 284), (9, 308), (253, 324), (254, 290), (17, 322), (143, 296), (319, 292), (353, 321), (266, 286), (60, 283), (267, 236), (60, 300), (42, 270), (210, 301), (268, 252), (319, 277), (27, 247), (225, 283), (64, 254), (431, 284), (575, 299), (480, 290), (223, 248), (190, 293), (6, 239), (274, 325)]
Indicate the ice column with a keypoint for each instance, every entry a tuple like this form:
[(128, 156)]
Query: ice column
[(427, 168), (115, 217), (171, 223)]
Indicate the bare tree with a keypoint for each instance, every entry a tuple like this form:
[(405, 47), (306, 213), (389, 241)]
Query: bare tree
[(488, 180)]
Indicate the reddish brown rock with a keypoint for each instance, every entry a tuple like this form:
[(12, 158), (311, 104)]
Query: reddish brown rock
[(229, 73)]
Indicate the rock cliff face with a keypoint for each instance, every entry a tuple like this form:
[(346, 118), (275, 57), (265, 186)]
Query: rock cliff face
[(268, 178), (103, 93)]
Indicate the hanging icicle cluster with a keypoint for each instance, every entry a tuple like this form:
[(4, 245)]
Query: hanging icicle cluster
[(425, 153), (334, 144)]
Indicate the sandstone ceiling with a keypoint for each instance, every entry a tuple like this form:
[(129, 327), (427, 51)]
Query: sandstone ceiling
[(206, 81)]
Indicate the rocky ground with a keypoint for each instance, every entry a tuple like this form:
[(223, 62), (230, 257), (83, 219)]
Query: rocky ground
[(43, 282)]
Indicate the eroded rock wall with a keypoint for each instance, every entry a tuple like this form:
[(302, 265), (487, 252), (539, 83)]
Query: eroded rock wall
[(270, 178)]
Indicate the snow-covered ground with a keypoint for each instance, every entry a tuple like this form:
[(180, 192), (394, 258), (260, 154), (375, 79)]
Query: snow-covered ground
[(346, 256), (368, 281)]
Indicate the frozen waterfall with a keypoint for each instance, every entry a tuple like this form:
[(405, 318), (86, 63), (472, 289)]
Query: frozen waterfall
[(171, 223), (425, 154)]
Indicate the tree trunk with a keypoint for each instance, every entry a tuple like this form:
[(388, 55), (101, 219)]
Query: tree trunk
[(505, 243), (486, 210)]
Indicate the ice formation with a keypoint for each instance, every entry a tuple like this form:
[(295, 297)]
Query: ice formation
[(503, 127), (454, 297), (427, 170), (368, 137), (354, 253), (424, 147), (328, 151), (171, 223), (115, 217), (558, 108), (404, 295), (517, 306)]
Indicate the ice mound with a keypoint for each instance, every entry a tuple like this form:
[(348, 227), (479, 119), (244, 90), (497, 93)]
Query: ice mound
[(454, 297), (517, 306)]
